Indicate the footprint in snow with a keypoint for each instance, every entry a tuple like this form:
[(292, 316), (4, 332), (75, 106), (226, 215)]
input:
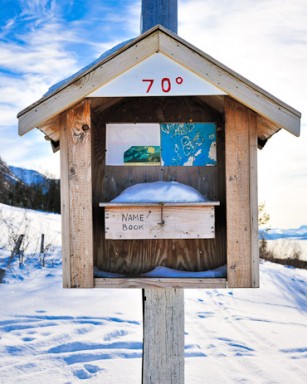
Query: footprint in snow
[(296, 353), (88, 371), (115, 334)]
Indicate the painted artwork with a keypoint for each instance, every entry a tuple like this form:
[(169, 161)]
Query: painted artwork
[(142, 155), (167, 144), (127, 142), (188, 144)]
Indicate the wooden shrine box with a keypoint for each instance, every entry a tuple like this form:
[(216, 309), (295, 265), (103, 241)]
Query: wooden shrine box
[(158, 78)]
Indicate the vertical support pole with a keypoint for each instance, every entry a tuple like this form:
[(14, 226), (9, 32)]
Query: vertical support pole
[(241, 195), (76, 196), (164, 12), (163, 351)]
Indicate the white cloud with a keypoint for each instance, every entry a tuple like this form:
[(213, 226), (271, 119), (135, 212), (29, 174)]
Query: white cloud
[(44, 57), (264, 40), (46, 49)]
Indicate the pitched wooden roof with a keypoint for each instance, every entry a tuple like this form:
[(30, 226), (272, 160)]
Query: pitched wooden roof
[(273, 114)]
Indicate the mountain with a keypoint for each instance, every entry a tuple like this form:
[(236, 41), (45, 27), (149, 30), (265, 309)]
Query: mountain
[(28, 176), (26, 188), (299, 233), (6, 175)]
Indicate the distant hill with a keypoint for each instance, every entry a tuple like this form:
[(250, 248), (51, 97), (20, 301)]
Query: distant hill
[(28, 176), (7, 175), (277, 233), (26, 188)]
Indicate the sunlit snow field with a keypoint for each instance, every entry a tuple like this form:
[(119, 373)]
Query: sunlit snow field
[(52, 335)]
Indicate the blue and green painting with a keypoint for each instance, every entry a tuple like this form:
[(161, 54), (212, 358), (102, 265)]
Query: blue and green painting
[(188, 144), (142, 155)]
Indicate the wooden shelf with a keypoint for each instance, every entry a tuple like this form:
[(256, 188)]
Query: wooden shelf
[(146, 282), (183, 204)]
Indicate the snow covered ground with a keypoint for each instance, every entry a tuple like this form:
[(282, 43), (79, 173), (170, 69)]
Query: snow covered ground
[(51, 335)]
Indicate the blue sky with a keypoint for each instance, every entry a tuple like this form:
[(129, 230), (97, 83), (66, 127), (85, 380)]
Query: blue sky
[(43, 42)]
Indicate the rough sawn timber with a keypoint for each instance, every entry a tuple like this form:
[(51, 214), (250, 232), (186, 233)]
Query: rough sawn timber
[(159, 221), (241, 195), (76, 197), (163, 351), (158, 282)]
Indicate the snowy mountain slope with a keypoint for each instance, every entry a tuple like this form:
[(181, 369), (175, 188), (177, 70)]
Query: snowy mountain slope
[(28, 176), (292, 233), (52, 335), (16, 174), (6, 174)]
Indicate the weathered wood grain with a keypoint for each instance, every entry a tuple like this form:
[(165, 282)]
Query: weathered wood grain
[(159, 222), (51, 128), (170, 204), (241, 195), (191, 283), (163, 348), (76, 193), (65, 202), (253, 168)]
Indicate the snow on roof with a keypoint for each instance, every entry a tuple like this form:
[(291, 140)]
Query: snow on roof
[(71, 78)]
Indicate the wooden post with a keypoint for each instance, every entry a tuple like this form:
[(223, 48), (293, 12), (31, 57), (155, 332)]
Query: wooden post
[(163, 351), (241, 195), (42, 243), (76, 197), (17, 247)]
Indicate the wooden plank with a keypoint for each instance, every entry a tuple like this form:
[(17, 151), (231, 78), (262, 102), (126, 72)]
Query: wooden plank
[(51, 128), (230, 82), (53, 104), (65, 202), (159, 222), (77, 200), (216, 102), (265, 128), (183, 204), (191, 283), (241, 193), (253, 146), (163, 348)]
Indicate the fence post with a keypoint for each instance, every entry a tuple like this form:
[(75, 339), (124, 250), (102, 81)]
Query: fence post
[(17, 246), (13, 254), (42, 243)]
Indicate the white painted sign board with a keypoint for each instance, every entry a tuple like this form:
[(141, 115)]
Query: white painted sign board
[(157, 76), (156, 221)]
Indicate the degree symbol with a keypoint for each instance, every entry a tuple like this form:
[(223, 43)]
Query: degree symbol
[(179, 80)]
